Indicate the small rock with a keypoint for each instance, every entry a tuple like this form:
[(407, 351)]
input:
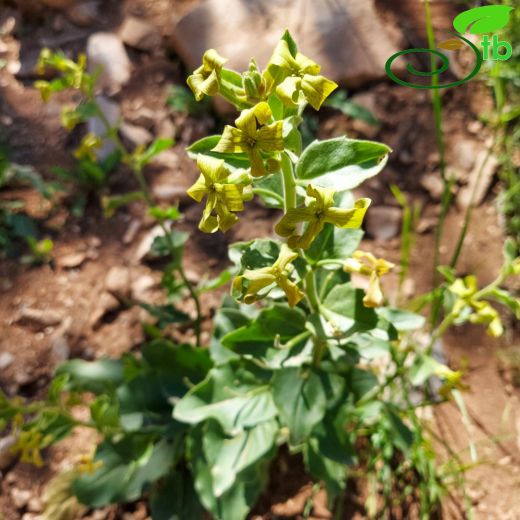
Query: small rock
[(165, 128), (144, 117), (480, 180), (39, 318), (71, 260), (106, 303), (117, 281), (139, 34), (96, 126), (136, 135), (383, 222), (84, 14), (20, 497), (146, 243), (6, 360), (31, 516), (475, 127), (7, 457), (168, 160), (433, 184), (170, 193), (106, 51), (464, 153), (131, 231), (35, 505), (142, 286)]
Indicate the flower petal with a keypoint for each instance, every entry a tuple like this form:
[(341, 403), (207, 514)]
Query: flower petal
[(287, 225), (270, 137), (231, 141), (374, 296), (348, 218), (289, 90), (317, 89), (307, 238), (291, 290), (198, 189)]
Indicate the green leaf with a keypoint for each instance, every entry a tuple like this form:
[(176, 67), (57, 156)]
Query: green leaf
[(93, 376), (165, 314), (277, 320), (231, 455), (175, 498), (341, 163), (349, 313), (158, 146), (301, 401), (205, 146), (401, 320), (332, 473), (361, 382), (334, 243), (503, 297), (339, 101), (238, 500), (272, 183), (237, 398), (215, 283), (170, 246), (129, 466), (255, 254), (402, 436)]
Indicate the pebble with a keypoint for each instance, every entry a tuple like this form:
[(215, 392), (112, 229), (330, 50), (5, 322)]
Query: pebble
[(106, 51), (136, 135), (142, 286), (383, 222), (95, 125), (6, 360), (84, 14), (20, 497), (433, 184), (139, 34), (117, 281), (71, 260), (38, 317)]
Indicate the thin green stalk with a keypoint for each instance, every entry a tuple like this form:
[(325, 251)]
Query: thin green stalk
[(310, 289), (289, 185), (268, 193), (138, 173)]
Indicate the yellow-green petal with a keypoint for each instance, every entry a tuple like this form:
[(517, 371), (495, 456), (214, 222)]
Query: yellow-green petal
[(374, 295), (270, 137), (198, 189), (305, 240), (231, 141), (317, 89), (348, 218), (287, 225), (291, 290), (289, 90)]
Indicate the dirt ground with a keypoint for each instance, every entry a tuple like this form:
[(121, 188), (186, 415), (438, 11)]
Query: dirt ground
[(82, 297)]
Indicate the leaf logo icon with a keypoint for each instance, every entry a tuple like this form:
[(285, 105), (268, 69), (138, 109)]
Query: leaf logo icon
[(482, 20)]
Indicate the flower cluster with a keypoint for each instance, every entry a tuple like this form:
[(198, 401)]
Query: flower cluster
[(482, 313)]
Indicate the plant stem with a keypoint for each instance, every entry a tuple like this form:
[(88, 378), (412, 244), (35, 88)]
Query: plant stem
[(111, 132), (268, 193), (289, 185), (310, 289)]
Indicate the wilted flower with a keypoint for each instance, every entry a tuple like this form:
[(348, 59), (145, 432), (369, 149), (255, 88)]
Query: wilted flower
[(318, 212), (255, 284), (367, 264), (205, 81), (223, 197), (253, 136), (297, 76), (484, 314)]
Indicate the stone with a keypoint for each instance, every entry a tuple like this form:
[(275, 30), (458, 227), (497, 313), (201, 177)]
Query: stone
[(480, 180), (139, 34), (7, 457), (35, 505), (346, 37), (84, 14), (131, 231), (6, 360), (96, 126), (136, 135), (433, 184), (170, 193), (117, 281), (105, 303), (146, 243), (20, 497), (106, 51), (383, 222), (142, 287), (71, 260), (39, 318)]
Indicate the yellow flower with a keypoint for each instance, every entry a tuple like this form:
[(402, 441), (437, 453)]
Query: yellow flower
[(484, 313), (318, 212), (29, 444), (367, 264), (205, 81), (296, 76), (88, 146), (253, 136), (45, 89), (223, 197), (69, 118), (86, 464), (255, 284)]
